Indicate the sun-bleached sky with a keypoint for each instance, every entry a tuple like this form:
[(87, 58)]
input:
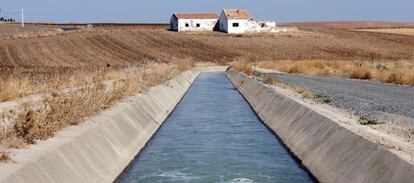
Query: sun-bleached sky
[(159, 11)]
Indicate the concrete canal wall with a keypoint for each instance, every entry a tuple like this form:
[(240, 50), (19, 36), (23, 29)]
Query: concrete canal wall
[(331, 152), (99, 149)]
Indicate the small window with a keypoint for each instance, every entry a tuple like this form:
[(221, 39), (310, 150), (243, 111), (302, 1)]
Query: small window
[(235, 24), (197, 25), (187, 25)]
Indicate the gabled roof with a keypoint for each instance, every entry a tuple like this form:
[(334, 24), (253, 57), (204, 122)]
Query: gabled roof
[(196, 15), (237, 14)]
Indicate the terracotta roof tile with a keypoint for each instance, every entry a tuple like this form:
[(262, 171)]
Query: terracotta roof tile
[(196, 15), (237, 14)]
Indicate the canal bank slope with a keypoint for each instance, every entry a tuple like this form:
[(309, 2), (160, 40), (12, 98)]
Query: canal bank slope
[(100, 148), (331, 152)]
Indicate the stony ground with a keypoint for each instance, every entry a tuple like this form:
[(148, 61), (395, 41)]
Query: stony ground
[(386, 102)]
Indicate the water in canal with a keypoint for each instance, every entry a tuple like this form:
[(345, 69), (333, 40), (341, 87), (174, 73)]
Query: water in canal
[(214, 136)]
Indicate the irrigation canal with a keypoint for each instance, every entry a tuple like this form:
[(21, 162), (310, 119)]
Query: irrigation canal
[(213, 135)]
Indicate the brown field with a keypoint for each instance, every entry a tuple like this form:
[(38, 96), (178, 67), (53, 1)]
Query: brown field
[(402, 31), (55, 58), (350, 24), (15, 28), (119, 48), (35, 64)]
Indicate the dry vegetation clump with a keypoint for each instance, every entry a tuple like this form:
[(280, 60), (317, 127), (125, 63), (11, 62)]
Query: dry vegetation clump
[(5, 156), (276, 82), (244, 67), (62, 110), (410, 80), (368, 120), (314, 67), (397, 72), (40, 120), (304, 92), (360, 73), (322, 97), (394, 78), (271, 81)]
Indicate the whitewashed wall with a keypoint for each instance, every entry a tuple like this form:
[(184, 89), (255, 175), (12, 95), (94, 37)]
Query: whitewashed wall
[(226, 25), (244, 25), (205, 24)]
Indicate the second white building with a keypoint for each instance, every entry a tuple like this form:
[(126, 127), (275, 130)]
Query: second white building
[(235, 21)]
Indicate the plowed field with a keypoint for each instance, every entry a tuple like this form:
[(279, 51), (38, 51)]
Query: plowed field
[(116, 48)]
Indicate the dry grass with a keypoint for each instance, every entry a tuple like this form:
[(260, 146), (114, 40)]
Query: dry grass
[(5, 156), (271, 81), (402, 31), (303, 92), (18, 85), (244, 67), (276, 82), (313, 67), (299, 90), (397, 72), (361, 73), (38, 121), (411, 79)]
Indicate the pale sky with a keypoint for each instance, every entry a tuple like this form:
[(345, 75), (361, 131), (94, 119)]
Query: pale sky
[(159, 11)]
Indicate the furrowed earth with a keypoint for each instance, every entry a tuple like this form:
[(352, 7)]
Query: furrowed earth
[(120, 46)]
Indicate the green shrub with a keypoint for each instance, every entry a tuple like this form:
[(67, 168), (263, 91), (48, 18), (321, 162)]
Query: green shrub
[(367, 120), (323, 97)]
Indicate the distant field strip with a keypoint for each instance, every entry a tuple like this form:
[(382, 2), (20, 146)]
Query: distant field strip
[(120, 48), (402, 31)]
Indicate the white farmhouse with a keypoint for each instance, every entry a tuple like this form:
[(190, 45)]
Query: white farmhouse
[(193, 21), (235, 21)]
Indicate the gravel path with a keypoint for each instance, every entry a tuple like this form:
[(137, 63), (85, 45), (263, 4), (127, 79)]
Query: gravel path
[(387, 102)]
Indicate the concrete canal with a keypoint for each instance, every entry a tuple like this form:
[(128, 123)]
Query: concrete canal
[(214, 136)]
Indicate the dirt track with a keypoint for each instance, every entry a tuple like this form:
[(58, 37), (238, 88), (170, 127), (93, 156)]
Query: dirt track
[(387, 102)]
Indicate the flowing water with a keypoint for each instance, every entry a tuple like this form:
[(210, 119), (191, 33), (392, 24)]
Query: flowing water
[(214, 136)]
